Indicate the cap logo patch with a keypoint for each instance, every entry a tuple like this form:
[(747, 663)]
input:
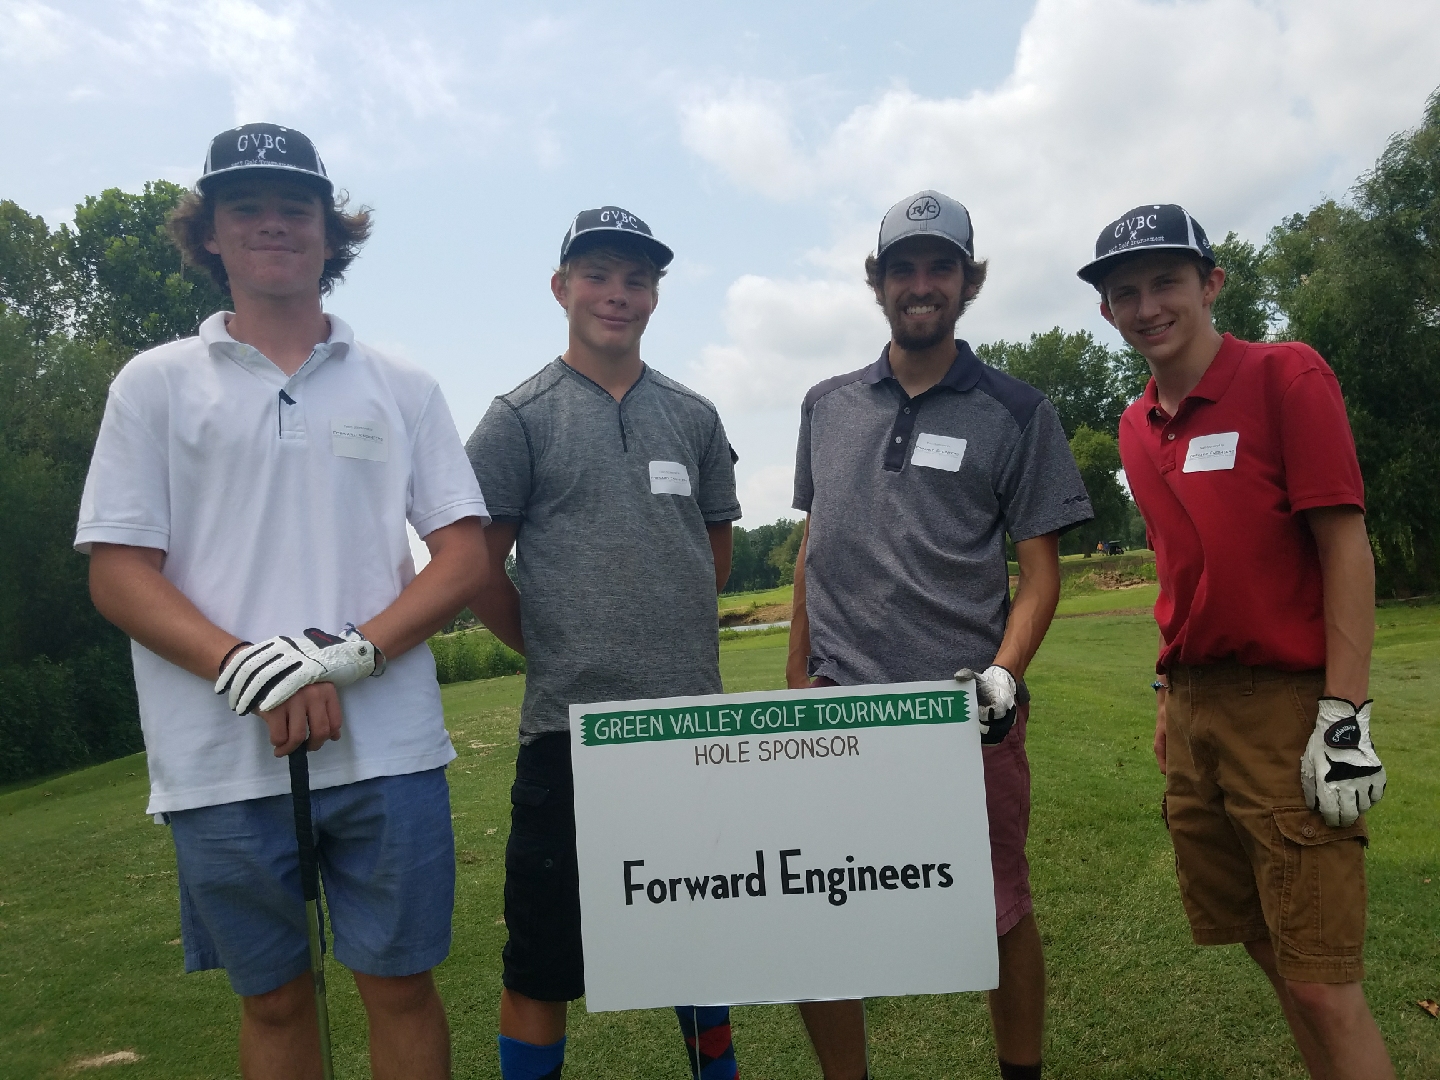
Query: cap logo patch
[(923, 209), (260, 143), (619, 218), (1134, 225)]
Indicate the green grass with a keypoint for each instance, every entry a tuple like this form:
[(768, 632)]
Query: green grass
[(749, 601), (88, 920)]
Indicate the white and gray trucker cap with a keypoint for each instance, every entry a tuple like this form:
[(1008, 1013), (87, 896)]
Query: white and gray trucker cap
[(927, 213), (1156, 226)]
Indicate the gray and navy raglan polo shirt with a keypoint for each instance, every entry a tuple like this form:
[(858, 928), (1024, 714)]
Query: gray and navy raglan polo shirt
[(910, 500), (616, 575)]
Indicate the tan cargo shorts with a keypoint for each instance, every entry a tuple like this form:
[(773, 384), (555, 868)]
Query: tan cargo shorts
[(1252, 859)]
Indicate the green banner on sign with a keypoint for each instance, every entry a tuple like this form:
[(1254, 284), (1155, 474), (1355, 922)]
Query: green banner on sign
[(761, 717)]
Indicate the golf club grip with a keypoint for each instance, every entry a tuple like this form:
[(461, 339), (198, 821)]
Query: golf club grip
[(304, 833)]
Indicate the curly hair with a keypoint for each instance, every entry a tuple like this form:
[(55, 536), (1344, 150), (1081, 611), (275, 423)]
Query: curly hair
[(192, 223)]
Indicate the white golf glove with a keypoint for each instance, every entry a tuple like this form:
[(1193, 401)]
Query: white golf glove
[(995, 694), (1339, 772), (260, 677)]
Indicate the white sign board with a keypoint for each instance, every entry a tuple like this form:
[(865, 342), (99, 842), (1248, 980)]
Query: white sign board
[(787, 845)]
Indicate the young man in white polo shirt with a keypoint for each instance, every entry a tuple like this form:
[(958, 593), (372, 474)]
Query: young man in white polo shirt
[(248, 484)]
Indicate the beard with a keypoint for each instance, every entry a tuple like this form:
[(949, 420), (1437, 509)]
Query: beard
[(914, 339)]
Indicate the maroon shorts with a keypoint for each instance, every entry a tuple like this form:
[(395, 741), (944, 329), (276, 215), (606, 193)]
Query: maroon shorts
[(1007, 801)]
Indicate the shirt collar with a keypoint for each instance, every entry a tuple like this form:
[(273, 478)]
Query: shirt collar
[(964, 373), (1212, 385), (215, 336)]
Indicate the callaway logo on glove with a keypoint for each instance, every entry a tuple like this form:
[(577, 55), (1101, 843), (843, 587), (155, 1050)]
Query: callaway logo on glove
[(995, 694), (1340, 772), (260, 677)]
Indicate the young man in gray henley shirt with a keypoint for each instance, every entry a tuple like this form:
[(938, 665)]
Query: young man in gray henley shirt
[(616, 486), (912, 471)]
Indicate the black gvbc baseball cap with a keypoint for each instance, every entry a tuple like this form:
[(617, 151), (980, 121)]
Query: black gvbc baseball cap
[(1158, 226), (927, 213), (269, 147), (607, 224)]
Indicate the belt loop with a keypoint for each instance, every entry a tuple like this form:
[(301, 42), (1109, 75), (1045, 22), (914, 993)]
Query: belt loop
[(1247, 684)]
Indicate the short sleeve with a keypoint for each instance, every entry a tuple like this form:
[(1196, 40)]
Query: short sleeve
[(442, 486), (804, 478), (127, 490), (1040, 489), (717, 499), (1317, 446), (499, 453)]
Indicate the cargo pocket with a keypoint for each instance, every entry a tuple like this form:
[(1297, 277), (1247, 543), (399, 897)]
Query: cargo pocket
[(1322, 893)]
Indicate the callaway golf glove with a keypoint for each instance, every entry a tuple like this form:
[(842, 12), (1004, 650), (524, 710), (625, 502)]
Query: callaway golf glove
[(259, 677), (1339, 772), (995, 694)]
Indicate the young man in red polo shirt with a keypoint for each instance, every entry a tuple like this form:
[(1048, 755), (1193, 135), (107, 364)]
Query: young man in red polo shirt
[(1241, 461)]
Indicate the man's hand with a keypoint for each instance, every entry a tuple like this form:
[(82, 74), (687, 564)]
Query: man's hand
[(311, 714), (263, 676), (995, 694), (1339, 772)]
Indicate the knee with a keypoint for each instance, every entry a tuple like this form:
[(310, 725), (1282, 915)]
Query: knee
[(1327, 1005), (396, 995), (282, 1007)]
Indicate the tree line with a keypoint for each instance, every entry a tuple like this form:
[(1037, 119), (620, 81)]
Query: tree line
[(1359, 280)]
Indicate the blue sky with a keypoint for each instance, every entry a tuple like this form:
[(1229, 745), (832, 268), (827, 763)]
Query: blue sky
[(762, 141)]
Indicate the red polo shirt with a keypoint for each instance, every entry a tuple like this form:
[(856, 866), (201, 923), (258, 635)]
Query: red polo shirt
[(1221, 485)]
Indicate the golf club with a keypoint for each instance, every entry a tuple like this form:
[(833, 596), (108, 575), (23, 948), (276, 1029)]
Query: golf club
[(310, 889)]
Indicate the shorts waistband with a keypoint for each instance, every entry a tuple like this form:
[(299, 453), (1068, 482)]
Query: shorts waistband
[(1233, 673)]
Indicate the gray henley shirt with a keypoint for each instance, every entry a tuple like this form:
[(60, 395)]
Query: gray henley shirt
[(616, 575), (909, 502)]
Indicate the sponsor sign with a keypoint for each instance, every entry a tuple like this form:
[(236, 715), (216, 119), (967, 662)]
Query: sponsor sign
[(786, 845)]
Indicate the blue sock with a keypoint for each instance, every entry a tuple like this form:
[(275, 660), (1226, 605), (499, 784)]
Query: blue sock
[(526, 1061), (707, 1041)]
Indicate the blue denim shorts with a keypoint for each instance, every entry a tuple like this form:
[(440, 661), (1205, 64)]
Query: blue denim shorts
[(387, 866)]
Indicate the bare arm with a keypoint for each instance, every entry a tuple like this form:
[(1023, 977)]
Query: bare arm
[(457, 568), (1347, 571), (722, 547), (797, 675), (1034, 603), (128, 589), (497, 604)]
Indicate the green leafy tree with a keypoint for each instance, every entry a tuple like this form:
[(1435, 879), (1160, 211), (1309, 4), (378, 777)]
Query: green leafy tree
[(1243, 307), (1361, 284), (33, 276), (754, 565), (1079, 375), (1098, 456), (131, 289)]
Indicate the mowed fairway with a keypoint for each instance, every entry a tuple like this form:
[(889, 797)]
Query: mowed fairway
[(90, 962)]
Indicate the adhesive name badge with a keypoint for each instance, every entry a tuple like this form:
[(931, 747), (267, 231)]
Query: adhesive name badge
[(1211, 453), (366, 439), (938, 452), (669, 478)]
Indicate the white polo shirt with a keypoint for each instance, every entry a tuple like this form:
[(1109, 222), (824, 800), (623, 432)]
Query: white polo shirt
[(280, 504)]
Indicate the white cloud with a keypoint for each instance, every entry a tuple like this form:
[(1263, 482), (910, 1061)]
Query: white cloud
[(748, 132), (785, 336), (1242, 110), (31, 32)]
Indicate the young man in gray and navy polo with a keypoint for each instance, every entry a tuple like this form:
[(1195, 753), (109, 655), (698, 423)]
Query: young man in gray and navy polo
[(616, 487), (913, 471)]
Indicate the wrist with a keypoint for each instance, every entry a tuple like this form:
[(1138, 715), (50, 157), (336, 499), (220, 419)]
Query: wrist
[(1160, 686)]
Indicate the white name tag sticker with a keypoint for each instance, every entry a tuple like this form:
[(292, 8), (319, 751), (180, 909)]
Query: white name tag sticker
[(1211, 453), (367, 439), (938, 452), (669, 478)]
